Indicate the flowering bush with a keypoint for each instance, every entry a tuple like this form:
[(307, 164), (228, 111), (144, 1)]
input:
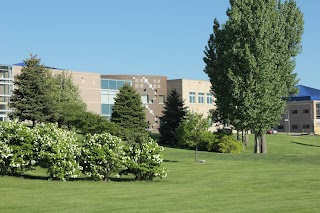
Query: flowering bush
[(57, 151), (16, 143), (102, 155), (144, 158)]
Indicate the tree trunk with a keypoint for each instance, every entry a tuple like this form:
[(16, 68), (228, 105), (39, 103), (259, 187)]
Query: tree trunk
[(263, 144), (196, 154), (257, 143), (246, 139), (238, 135)]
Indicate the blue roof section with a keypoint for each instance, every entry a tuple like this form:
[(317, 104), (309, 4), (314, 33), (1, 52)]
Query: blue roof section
[(306, 93), (22, 64)]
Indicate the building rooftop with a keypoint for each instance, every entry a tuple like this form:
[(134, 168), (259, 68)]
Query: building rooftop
[(22, 64), (305, 93)]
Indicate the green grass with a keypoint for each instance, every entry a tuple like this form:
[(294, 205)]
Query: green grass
[(287, 179)]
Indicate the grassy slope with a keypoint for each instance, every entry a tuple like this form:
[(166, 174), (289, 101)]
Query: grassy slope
[(284, 180)]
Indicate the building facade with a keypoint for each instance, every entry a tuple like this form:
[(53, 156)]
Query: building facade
[(6, 89), (195, 93), (98, 91), (302, 114), (152, 89)]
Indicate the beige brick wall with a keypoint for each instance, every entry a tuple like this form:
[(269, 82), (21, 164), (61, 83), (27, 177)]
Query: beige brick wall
[(185, 86)]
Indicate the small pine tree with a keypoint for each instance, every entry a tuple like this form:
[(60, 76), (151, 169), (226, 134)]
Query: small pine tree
[(128, 111), (173, 113), (31, 98)]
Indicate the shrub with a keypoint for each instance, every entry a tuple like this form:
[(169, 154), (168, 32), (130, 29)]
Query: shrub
[(16, 148), (225, 143), (57, 150), (102, 155), (144, 158)]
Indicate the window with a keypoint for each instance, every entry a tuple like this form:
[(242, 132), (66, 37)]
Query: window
[(294, 126), (280, 127), (120, 84), (161, 99), (106, 110), (306, 126), (192, 97), (113, 84), (305, 111), (200, 98), (209, 98), (294, 111), (145, 99), (318, 110)]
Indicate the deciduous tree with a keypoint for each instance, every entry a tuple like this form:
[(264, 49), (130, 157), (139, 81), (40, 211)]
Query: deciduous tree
[(250, 62)]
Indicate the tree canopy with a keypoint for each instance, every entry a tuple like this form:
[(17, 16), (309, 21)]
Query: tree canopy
[(250, 62), (69, 106), (128, 110), (31, 98)]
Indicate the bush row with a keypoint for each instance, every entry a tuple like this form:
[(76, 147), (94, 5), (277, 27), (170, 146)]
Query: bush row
[(47, 146)]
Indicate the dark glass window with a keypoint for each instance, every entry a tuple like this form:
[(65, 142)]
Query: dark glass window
[(294, 111), (120, 84), (104, 84), (112, 84)]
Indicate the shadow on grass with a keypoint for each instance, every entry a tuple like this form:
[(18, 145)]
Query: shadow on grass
[(38, 177), (304, 144), (170, 161)]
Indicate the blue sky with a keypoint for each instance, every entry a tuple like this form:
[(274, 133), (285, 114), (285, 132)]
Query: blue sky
[(163, 37)]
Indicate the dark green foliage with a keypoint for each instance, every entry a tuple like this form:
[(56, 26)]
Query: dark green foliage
[(128, 111), (250, 62), (32, 97), (174, 111), (91, 123)]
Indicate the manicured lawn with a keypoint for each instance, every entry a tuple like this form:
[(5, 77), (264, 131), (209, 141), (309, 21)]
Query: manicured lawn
[(287, 179)]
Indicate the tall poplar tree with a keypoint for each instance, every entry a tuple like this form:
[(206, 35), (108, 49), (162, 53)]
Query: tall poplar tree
[(174, 111), (128, 111), (31, 98), (250, 63)]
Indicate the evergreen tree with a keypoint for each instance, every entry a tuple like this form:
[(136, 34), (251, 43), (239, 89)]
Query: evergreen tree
[(128, 111), (250, 63), (31, 98), (174, 111)]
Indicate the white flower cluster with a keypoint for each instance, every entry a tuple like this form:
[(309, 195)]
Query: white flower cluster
[(146, 160), (103, 155), (16, 154)]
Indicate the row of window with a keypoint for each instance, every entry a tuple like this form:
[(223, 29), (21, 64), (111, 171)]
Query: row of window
[(295, 126), (145, 99), (113, 84), (296, 111), (201, 98)]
